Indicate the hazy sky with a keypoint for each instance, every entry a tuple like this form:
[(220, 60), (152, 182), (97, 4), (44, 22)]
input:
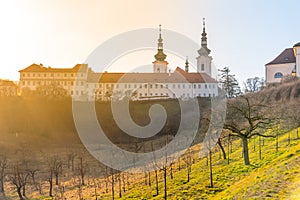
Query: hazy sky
[(242, 34)]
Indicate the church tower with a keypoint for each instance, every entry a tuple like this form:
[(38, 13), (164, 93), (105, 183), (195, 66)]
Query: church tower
[(204, 59), (160, 65)]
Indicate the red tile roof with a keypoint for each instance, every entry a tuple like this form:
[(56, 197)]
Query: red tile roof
[(178, 76), (40, 68), (287, 56)]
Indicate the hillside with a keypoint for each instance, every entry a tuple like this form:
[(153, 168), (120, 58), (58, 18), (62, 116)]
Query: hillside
[(280, 92), (274, 176), (42, 126)]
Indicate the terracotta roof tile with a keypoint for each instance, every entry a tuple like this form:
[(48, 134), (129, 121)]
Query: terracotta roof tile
[(40, 68), (178, 76)]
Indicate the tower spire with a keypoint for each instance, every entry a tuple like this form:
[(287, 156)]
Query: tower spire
[(186, 65), (160, 56), (204, 50)]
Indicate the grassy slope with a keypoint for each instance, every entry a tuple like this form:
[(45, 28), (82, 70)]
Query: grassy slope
[(276, 176)]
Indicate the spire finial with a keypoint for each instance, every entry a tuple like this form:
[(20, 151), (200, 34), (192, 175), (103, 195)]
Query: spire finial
[(160, 54), (204, 50), (159, 33), (159, 28)]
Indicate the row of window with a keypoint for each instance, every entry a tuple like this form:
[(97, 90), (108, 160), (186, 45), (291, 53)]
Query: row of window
[(156, 86), (61, 83), (167, 94), (51, 74), (183, 95)]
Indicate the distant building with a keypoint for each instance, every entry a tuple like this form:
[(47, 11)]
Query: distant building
[(37, 76), (8, 88), (287, 63), (83, 84)]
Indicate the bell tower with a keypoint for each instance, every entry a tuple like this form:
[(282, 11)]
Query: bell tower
[(204, 59), (160, 65)]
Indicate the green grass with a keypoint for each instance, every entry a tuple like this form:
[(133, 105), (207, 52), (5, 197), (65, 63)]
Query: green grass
[(275, 176)]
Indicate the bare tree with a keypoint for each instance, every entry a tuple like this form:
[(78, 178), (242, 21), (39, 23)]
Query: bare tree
[(156, 169), (57, 166), (187, 158), (82, 169), (244, 119), (19, 178), (54, 165), (3, 166), (50, 179), (71, 155), (253, 84)]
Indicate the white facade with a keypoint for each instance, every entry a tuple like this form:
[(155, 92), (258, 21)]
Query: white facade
[(204, 64), (273, 72), (160, 66), (148, 91)]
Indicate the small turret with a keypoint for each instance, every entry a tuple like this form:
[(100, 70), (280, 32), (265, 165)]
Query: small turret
[(186, 65)]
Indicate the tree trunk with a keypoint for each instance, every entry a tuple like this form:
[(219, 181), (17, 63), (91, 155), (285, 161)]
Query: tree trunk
[(277, 141), (82, 179), (120, 186), (50, 188), (124, 183), (171, 170), (210, 170), (24, 191), (113, 186), (106, 185), (188, 175), (72, 164), (228, 150), (2, 186), (165, 182), (156, 182), (259, 147), (149, 179), (245, 151), (145, 177), (19, 193), (222, 148), (56, 179)]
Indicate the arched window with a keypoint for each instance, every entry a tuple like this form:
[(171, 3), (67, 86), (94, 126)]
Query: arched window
[(278, 75)]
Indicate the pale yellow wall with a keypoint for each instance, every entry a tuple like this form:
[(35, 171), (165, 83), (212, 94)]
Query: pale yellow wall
[(285, 69)]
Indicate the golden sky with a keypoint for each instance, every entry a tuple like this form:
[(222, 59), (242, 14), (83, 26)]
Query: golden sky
[(243, 35)]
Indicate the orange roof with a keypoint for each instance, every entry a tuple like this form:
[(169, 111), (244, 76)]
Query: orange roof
[(178, 76), (7, 83), (40, 68)]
